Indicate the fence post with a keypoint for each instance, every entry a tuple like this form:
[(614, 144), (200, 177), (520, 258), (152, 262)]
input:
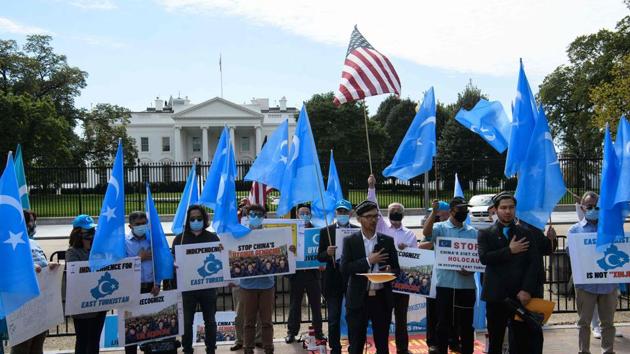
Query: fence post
[(79, 169), (139, 185)]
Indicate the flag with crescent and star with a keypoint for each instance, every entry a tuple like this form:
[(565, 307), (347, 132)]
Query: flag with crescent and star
[(161, 252), (190, 196), (415, 153), (109, 241), (540, 182), (18, 283), (270, 163), (489, 121)]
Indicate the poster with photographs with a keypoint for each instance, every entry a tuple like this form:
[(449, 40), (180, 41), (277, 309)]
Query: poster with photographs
[(151, 318), (261, 253), (199, 266), (226, 328), (114, 286), (297, 232), (454, 253), (416, 271)]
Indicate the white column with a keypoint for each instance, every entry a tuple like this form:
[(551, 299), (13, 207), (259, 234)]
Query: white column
[(258, 139), (177, 144), (232, 130), (204, 144)]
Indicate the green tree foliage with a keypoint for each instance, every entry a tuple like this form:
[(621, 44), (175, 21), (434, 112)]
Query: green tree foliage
[(612, 99), (567, 91), (103, 126)]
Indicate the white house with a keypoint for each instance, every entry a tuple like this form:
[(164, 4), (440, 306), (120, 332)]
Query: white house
[(179, 131)]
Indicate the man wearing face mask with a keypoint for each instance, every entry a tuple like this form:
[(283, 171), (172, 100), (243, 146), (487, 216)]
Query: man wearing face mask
[(455, 290), (308, 280), (589, 298), (513, 264), (334, 285), (403, 238), (197, 221), (137, 245)]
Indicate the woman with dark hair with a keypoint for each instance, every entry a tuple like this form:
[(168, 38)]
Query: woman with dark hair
[(87, 326), (197, 221)]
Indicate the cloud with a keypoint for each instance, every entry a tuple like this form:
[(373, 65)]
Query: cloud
[(93, 4), (466, 36), (10, 26), (100, 41)]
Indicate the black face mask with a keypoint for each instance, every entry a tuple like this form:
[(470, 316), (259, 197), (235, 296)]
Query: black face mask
[(461, 216), (395, 216)]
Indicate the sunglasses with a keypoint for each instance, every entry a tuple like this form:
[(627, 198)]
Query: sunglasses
[(591, 207), (256, 215), (196, 219)]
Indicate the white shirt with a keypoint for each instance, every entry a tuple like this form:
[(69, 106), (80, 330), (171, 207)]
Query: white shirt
[(369, 244), (400, 235)]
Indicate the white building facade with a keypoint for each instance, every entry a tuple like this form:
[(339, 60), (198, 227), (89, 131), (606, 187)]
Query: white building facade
[(179, 131)]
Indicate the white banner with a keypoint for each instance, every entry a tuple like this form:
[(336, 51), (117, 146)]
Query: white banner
[(591, 267), (41, 313), (458, 253), (340, 235), (199, 266), (261, 253), (226, 329), (416, 270), (297, 232), (151, 318), (114, 286)]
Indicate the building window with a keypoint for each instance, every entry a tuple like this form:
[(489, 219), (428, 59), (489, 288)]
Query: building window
[(166, 144), (245, 143), (144, 144), (196, 143)]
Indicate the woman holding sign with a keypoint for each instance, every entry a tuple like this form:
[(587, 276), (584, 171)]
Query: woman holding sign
[(87, 326), (195, 232)]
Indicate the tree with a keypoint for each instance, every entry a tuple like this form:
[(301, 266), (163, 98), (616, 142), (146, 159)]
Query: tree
[(104, 125), (566, 92), (464, 152), (612, 99)]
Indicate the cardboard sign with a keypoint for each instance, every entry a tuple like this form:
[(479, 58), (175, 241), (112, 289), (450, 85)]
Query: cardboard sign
[(311, 247), (199, 266), (591, 267), (340, 235), (458, 253), (416, 271)]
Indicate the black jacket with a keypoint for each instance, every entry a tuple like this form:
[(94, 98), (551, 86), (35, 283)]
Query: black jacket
[(333, 281), (354, 262), (506, 273)]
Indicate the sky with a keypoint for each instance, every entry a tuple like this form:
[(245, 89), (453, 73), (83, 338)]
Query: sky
[(135, 50)]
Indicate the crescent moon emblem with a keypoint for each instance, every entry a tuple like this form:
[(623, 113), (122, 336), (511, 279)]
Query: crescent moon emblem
[(10, 201), (296, 149), (205, 267), (430, 120), (100, 287), (114, 182), (628, 147), (316, 239)]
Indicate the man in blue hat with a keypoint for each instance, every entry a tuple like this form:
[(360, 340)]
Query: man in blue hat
[(334, 285)]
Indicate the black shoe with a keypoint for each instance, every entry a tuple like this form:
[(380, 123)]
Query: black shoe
[(290, 338), (236, 347), (455, 348), (258, 345)]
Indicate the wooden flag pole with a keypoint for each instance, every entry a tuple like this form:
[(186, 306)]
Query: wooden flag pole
[(367, 136)]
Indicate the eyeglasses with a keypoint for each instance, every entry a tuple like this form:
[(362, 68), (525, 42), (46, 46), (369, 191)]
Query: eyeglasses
[(370, 216)]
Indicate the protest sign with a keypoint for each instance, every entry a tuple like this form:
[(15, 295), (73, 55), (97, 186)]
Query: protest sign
[(454, 253), (297, 232), (591, 267), (40, 313), (261, 253), (151, 318), (340, 234), (114, 286), (226, 329), (416, 270), (199, 266), (109, 334), (311, 247)]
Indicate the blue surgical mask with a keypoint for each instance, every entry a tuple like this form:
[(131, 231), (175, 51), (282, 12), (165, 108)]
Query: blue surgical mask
[(592, 215), (196, 225), (305, 217), (343, 219), (255, 222), (140, 230)]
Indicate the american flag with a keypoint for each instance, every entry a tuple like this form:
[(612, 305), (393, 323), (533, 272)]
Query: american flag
[(258, 193), (366, 72)]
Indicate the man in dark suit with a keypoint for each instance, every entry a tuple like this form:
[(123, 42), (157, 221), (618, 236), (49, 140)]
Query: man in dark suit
[(513, 262), (366, 252), (334, 285)]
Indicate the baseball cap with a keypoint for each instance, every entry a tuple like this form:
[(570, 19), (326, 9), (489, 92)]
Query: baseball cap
[(84, 221), (343, 204)]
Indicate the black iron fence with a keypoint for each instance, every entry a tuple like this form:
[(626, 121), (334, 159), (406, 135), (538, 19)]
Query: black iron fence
[(68, 191)]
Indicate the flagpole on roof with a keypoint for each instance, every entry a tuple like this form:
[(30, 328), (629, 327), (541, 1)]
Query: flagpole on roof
[(367, 136)]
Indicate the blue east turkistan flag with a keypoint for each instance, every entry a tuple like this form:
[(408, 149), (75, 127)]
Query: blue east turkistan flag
[(302, 180), (611, 214), (540, 182), (190, 196), (333, 186), (622, 148), (161, 253), (523, 120), (270, 164), (225, 218), (211, 187), (18, 283), (458, 191), (416, 151), (109, 241), (21, 177), (489, 121)]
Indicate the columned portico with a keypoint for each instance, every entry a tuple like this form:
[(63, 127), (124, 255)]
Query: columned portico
[(204, 144), (179, 150), (258, 139)]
